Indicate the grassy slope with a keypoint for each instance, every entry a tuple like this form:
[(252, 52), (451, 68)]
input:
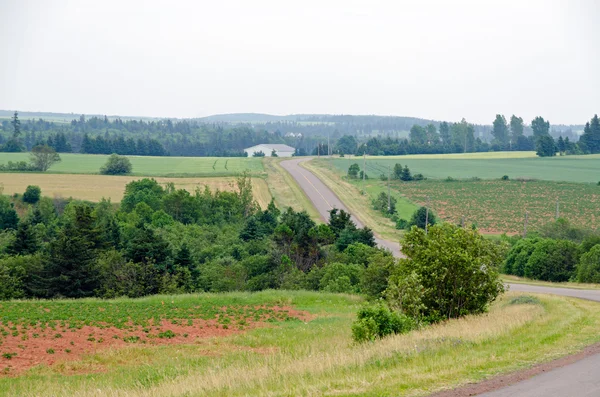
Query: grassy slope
[(359, 205), (285, 190), (486, 165), (96, 187), (318, 358), (151, 166)]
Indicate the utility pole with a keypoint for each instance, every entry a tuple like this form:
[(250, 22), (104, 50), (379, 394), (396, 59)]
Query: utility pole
[(525, 227), (557, 209), (319, 150), (389, 196), (328, 150), (462, 222), (427, 216), (364, 168)]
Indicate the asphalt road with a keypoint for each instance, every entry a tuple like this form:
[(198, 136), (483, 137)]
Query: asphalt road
[(324, 199), (581, 379)]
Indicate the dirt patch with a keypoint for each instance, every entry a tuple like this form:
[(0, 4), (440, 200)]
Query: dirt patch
[(498, 382), (23, 347)]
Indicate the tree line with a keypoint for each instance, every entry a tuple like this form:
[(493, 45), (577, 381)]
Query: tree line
[(165, 240)]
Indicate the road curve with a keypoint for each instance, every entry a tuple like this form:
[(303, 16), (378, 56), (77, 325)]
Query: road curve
[(324, 199), (581, 379)]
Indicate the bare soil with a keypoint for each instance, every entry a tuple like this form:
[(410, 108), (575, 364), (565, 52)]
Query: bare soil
[(49, 346)]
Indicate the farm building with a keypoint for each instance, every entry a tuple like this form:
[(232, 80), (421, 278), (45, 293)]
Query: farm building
[(267, 149)]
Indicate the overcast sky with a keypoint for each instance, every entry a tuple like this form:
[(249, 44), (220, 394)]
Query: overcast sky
[(443, 60)]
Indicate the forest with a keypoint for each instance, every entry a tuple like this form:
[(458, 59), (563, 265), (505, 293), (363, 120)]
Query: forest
[(166, 240), (229, 135)]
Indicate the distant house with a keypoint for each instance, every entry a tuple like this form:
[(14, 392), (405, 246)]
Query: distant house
[(267, 149)]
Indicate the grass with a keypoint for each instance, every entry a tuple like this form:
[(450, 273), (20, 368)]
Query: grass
[(584, 169), (315, 357), (358, 204), (151, 166), (96, 187), (285, 190), (521, 280)]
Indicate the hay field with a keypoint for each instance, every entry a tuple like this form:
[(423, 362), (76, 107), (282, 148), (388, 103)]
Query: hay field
[(95, 187)]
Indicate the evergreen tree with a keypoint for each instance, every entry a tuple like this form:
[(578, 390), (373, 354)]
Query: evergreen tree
[(25, 242), (70, 263), (516, 128), (591, 135), (561, 145), (545, 146)]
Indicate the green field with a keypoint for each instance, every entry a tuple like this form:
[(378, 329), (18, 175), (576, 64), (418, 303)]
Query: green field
[(485, 165), (151, 166), (288, 356)]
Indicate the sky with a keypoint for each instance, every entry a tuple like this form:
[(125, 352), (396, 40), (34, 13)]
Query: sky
[(441, 60)]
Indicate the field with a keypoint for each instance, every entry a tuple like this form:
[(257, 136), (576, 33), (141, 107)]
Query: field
[(496, 206), (96, 187), (584, 169), (269, 343), (151, 166)]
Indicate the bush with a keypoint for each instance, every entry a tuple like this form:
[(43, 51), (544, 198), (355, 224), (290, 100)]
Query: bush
[(455, 270), (518, 256), (588, 270), (374, 280), (32, 194), (561, 229), (116, 165), (552, 260), (402, 224), (379, 321), (341, 278), (504, 177), (419, 218)]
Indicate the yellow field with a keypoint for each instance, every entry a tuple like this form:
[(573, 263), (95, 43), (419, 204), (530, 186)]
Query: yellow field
[(95, 187)]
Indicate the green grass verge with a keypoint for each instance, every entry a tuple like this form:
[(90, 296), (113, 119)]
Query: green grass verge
[(285, 190), (358, 204), (317, 357), (521, 280), (151, 166)]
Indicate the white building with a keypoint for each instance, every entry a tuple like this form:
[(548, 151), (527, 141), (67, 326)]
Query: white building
[(267, 149)]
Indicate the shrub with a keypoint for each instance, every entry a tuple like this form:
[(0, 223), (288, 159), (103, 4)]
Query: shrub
[(518, 256), (504, 177), (561, 229), (353, 171), (552, 260), (339, 277), (418, 177), (588, 270), (419, 218), (32, 194), (379, 321), (402, 224), (374, 279), (456, 270), (116, 165)]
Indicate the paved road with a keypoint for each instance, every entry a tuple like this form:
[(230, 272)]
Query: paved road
[(324, 199), (581, 379)]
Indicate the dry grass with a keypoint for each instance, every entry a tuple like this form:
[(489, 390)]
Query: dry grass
[(95, 187), (285, 190), (358, 204)]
